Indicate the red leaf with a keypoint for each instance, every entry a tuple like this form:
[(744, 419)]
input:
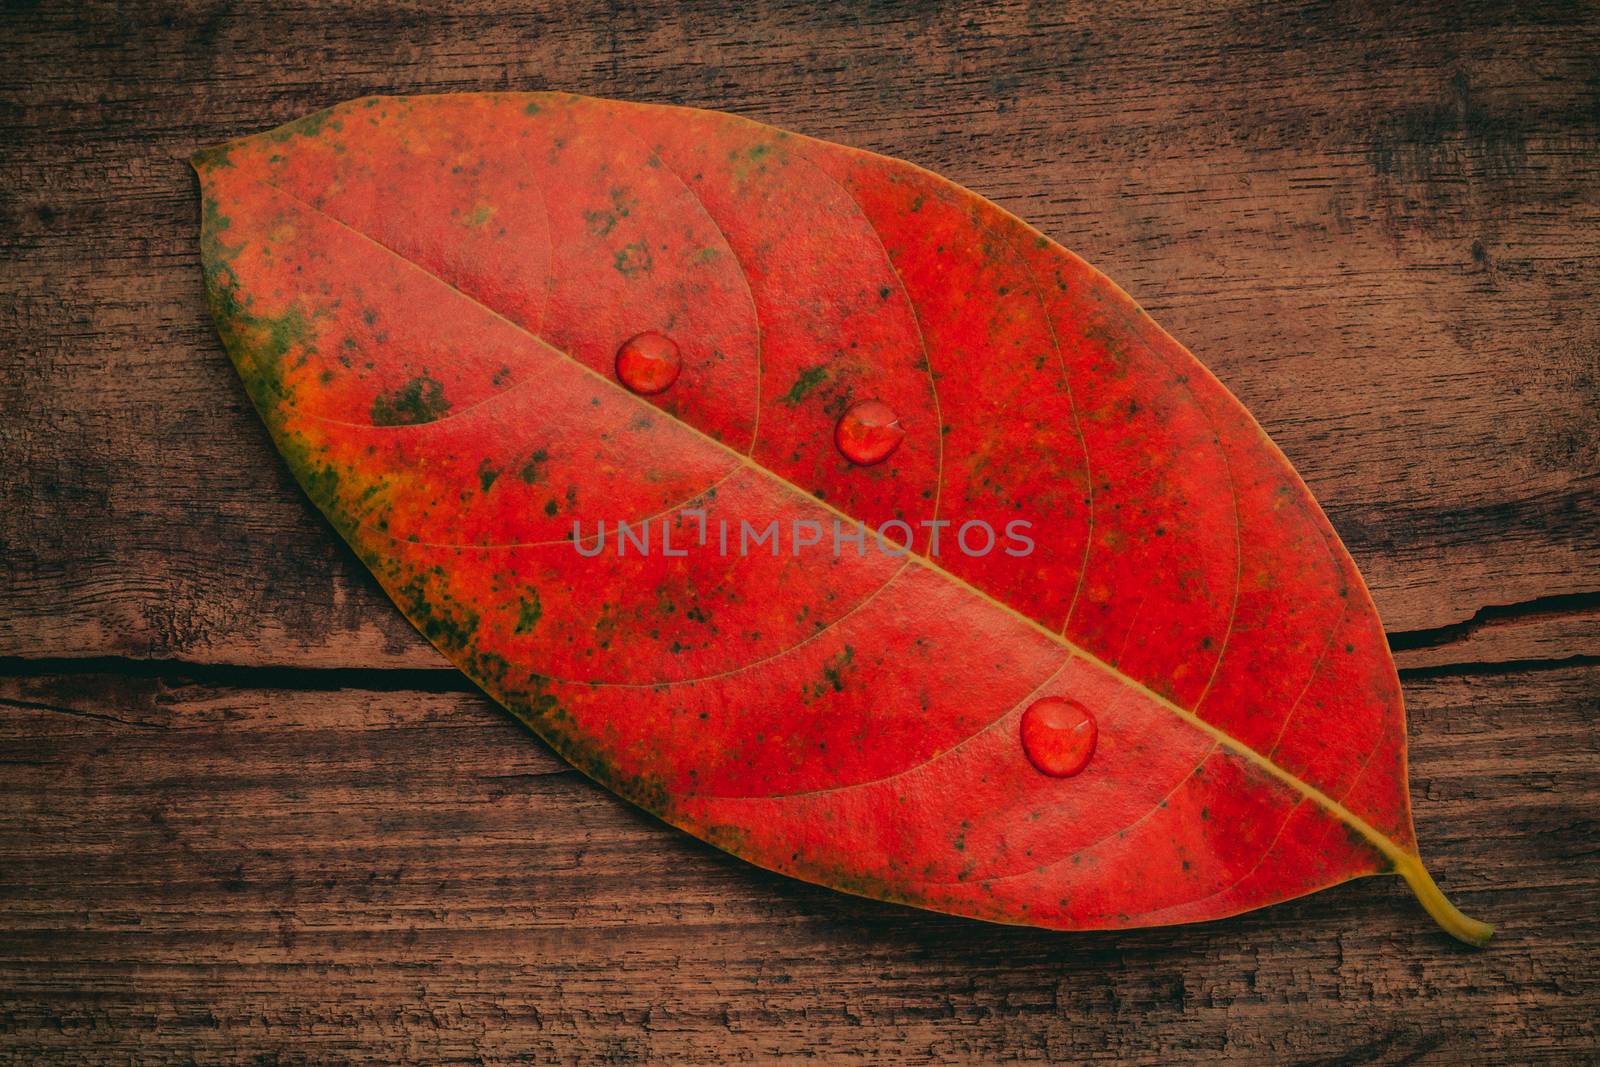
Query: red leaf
[(429, 300)]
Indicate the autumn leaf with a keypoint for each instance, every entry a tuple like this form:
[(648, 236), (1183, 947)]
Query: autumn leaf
[(816, 505)]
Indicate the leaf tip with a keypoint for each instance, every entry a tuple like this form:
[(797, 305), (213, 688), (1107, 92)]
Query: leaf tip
[(204, 159)]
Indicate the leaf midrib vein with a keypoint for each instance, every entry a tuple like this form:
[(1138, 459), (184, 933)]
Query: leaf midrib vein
[(1379, 840)]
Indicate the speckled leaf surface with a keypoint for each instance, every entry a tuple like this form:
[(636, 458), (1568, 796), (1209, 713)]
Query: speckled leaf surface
[(426, 297)]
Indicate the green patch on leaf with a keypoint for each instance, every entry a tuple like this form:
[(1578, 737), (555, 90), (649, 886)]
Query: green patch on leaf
[(633, 258), (833, 673), (419, 400), (804, 385), (533, 470), (528, 612)]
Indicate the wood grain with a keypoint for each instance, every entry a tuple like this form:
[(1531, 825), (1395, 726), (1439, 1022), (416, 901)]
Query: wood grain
[(195, 871), (247, 815), (1380, 231)]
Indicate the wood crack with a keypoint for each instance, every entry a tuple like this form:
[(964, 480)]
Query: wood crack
[(178, 672), (447, 679), (1539, 607)]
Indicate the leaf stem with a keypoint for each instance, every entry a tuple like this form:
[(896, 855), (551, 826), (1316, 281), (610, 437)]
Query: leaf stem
[(1446, 914)]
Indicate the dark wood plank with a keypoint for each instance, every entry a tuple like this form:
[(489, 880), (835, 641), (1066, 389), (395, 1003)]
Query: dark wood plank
[(199, 872), (1378, 226)]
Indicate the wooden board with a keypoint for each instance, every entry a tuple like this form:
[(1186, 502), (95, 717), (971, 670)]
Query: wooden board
[(1380, 233), (1380, 227), (197, 870)]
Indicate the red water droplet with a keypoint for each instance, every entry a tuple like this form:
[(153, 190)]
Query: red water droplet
[(648, 363), (1059, 736), (868, 433)]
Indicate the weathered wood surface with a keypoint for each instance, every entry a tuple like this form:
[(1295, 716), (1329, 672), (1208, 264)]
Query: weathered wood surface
[(1381, 227), (1380, 231), (205, 871)]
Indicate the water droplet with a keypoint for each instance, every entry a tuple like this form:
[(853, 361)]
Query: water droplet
[(868, 433), (1059, 736), (648, 363)]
